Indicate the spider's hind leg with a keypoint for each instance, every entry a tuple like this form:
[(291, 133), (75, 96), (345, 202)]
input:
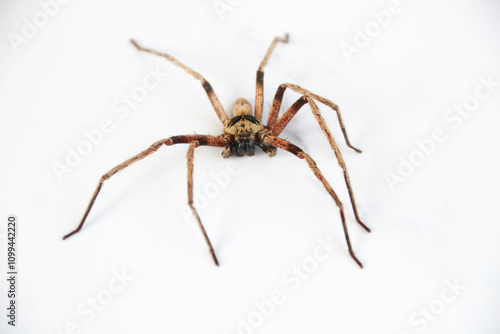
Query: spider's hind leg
[(286, 145)]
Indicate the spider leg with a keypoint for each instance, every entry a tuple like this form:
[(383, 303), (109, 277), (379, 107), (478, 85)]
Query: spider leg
[(286, 145), (259, 90), (186, 139), (283, 121), (206, 85), (275, 108), (190, 158)]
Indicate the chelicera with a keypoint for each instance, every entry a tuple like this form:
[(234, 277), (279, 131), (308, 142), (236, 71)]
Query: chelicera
[(244, 132)]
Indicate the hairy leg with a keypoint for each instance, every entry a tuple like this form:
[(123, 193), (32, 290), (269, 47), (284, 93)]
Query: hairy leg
[(190, 158), (201, 139), (278, 98), (219, 110), (285, 119), (286, 145), (259, 90)]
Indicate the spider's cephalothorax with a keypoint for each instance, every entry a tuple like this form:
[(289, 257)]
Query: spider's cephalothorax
[(245, 131)]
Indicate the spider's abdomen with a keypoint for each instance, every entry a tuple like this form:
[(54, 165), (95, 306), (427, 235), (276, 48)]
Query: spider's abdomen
[(242, 130)]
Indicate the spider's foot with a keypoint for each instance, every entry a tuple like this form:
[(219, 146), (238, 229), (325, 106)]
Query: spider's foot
[(356, 259), (355, 149), (363, 225), (214, 257), (70, 234), (135, 43)]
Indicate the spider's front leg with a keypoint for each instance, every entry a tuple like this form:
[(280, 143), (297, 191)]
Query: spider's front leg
[(194, 141), (276, 126), (259, 87), (214, 100), (278, 98)]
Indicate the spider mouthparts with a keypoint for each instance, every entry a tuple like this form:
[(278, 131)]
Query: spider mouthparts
[(246, 145)]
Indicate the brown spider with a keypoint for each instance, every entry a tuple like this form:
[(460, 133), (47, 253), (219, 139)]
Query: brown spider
[(245, 131)]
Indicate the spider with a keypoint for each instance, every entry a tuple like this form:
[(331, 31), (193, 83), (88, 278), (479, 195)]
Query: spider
[(243, 132)]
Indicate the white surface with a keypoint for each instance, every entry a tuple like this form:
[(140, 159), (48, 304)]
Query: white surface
[(439, 226)]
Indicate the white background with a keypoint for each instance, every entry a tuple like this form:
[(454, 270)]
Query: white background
[(437, 225)]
